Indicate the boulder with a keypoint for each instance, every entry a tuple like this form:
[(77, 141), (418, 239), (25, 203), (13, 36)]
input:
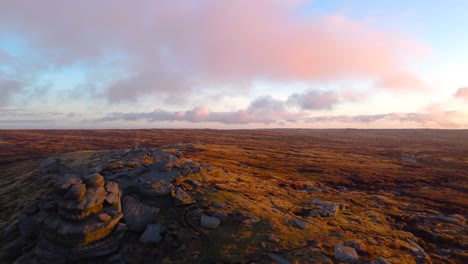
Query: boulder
[(345, 254), (137, 215), (299, 224), (209, 222)]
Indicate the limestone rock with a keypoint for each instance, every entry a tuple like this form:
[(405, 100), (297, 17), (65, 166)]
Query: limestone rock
[(345, 254), (152, 234), (136, 215)]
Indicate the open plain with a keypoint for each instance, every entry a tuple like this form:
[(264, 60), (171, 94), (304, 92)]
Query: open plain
[(234, 196)]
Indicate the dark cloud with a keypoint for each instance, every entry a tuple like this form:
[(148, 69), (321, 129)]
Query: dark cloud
[(8, 88), (262, 110), (314, 100)]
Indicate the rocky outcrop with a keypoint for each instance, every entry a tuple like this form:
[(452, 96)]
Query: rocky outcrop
[(82, 225)]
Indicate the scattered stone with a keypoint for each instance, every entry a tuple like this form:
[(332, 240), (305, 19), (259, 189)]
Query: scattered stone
[(419, 252), (136, 215), (195, 183), (273, 238), (219, 205), (325, 209), (182, 198), (345, 254), (299, 224), (250, 221), (447, 219), (152, 234), (155, 187), (278, 259), (209, 222)]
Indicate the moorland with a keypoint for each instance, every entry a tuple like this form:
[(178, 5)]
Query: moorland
[(282, 195)]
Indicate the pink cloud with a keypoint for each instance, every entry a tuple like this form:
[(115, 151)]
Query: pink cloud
[(401, 81), (462, 93), (183, 45)]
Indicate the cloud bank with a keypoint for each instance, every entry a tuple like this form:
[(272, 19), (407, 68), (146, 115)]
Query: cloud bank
[(162, 47)]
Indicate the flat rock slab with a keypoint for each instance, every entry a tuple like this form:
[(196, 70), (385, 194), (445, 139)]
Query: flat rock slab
[(137, 215)]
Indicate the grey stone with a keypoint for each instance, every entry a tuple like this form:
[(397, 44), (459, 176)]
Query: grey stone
[(136, 215), (160, 154), (50, 165), (94, 179), (345, 254), (209, 222), (273, 238), (221, 216), (76, 192), (278, 259), (182, 198), (299, 224), (195, 183), (152, 234), (112, 187), (219, 205)]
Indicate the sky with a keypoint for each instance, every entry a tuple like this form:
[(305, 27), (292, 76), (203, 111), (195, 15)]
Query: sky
[(233, 64)]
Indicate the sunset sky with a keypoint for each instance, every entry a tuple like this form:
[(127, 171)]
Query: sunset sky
[(233, 64)]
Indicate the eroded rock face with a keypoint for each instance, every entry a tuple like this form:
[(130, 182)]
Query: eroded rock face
[(82, 225)]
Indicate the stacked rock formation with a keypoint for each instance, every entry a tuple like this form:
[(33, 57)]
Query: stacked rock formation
[(84, 223)]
